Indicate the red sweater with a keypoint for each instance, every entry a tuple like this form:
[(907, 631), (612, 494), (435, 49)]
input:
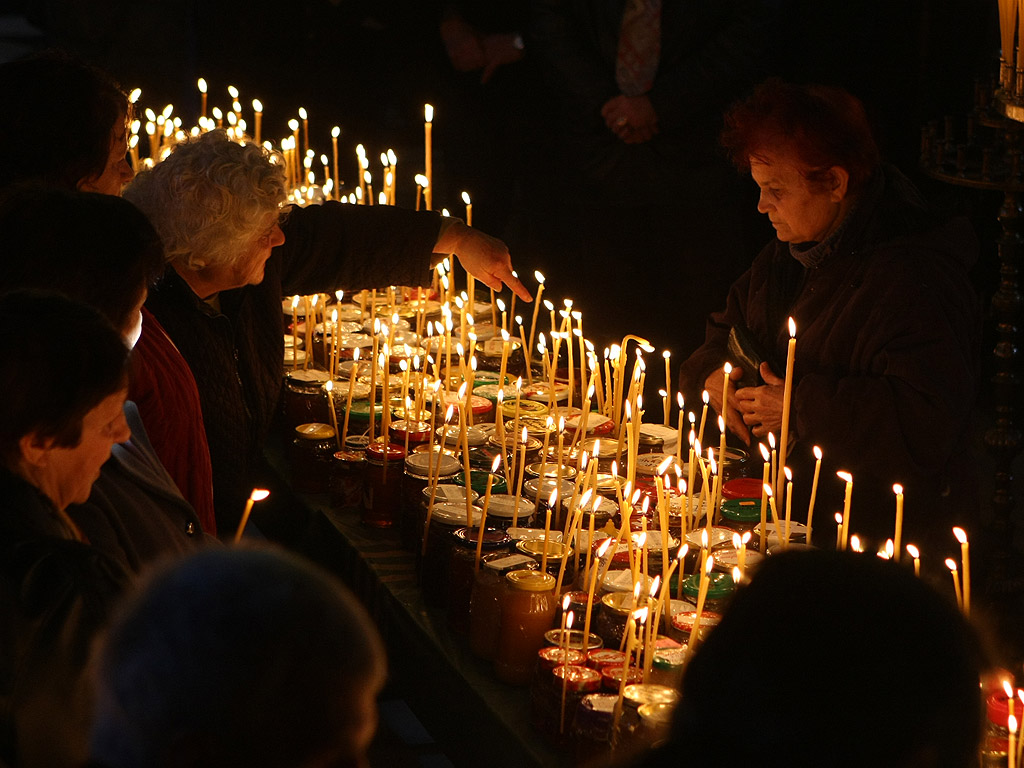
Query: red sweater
[(165, 391)]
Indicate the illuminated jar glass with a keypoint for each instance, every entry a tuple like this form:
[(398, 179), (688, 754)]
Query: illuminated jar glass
[(382, 489), (312, 457), (485, 600), (547, 702), (420, 469), (462, 572), (591, 731), (303, 400), (527, 612), (436, 561)]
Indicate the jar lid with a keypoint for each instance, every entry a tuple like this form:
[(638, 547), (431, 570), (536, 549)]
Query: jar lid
[(648, 463), (618, 602), (578, 679), (494, 345), (720, 585), (294, 356), (728, 558), (650, 693), (719, 537), (512, 563), (478, 481), (797, 532), (670, 658), (541, 391), (545, 486), (418, 431), (657, 714), (683, 621), (360, 409), (550, 470), (452, 435), (605, 657), (432, 463), (612, 676), (653, 540), (354, 340), (291, 341), (606, 449), (575, 638), (315, 431), (493, 538), (742, 510), (527, 408), (621, 582), (454, 514), (552, 656), (530, 581), (490, 391), (600, 706), (668, 436), (340, 388), (307, 376), (606, 483), (357, 442), (350, 457), (599, 506), (446, 493), (345, 368), (997, 708), (535, 548), (533, 534), (378, 451), (503, 505), (743, 488), (490, 378)]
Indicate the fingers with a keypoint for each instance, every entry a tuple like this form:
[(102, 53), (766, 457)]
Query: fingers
[(769, 376)]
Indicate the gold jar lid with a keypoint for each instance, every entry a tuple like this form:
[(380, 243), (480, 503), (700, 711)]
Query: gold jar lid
[(315, 431), (530, 581)]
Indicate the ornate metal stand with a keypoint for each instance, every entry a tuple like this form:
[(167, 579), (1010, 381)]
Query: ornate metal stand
[(987, 156)]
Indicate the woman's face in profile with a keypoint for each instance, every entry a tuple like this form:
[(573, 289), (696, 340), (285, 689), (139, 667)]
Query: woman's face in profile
[(117, 172), (799, 211)]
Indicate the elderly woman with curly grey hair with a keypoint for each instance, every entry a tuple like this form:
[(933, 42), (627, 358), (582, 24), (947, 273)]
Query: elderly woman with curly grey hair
[(218, 207)]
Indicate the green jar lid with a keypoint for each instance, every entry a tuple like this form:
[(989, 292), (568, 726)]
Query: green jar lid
[(361, 411), (742, 510), (721, 586), (478, 481)]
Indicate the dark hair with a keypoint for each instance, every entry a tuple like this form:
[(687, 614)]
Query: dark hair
[(234, 657), (834, 659), (821, 125), (57, 119), (96, 248), (58, 360)]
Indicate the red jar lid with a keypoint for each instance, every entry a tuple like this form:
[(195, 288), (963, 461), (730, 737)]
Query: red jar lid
[(375, 451), (551, 657), (683, 621), (480, 405), (605, 657), (997, 708), (578, 679), (742, 488), (417, 431), (612, 676)]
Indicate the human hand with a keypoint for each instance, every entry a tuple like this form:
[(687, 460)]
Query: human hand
[(631, 118), (733, 418), (497, 51), (762, 406), (486, 258), (463, 44)]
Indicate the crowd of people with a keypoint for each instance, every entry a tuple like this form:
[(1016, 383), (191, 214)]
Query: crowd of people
[(143, 365)]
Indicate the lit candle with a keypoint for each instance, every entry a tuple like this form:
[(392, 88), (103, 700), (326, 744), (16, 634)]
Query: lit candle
[(258, 494), (789, 502), (351, 389), (787, 394), (428, 170), (951, 564), (566, 667), (295, 332), (257, 107), (839, 531), (848, 478), (519, 482), (702, 593), (483, 513), (335, 133), (765, 485), (329, 386), (668, 382), (552, 500), (814, 491), (601, 552), (898, 490), (1011, 726), (679, 444), (703, 416), (965, 560), (202, 94), (916, 554)]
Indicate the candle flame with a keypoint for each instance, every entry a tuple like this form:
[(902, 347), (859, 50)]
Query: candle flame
[(771, 440), (737, 574), (709, 565), (890, 548), (134, 95), (817, 453), (259, 494), (257, 106), (565, 601), (679, 400), (335, 132), (961, 535), (329, 386), (792, 328), (897, 489), (844, 475), (913, 551), (736, 541), (302, 113), (293, 124), (704, 539), (232, 92), (839, 518), (764, 451), (855, 544), (605, 546), (496, 463), (727, 368), (428, 113), (768, 492), (665, 464), (789, 474), (1008, 688), (951, 564), (465, 198), (1011, 723)]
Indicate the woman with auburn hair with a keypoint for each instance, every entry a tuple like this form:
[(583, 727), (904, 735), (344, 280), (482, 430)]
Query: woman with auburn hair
[(888, 326)]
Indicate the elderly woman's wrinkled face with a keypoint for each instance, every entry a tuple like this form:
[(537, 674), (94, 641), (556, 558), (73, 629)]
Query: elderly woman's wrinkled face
[(801, 212), (118, 170), (66, 474), (248, 269)]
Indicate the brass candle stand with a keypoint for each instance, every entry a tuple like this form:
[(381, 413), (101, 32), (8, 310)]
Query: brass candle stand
[(986, 154)]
